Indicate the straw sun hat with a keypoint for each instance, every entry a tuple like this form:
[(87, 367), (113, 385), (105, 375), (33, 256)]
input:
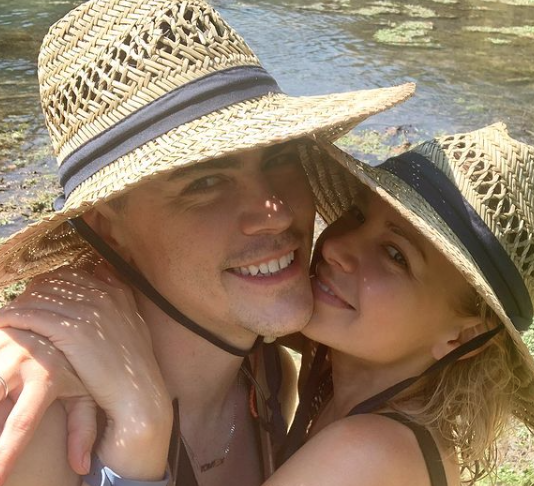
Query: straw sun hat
[(471, 195), (132, 89)]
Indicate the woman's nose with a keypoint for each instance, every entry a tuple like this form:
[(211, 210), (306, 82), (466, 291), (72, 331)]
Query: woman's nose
[(341, 249)]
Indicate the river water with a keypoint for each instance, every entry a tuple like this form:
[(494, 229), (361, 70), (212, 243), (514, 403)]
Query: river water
[(472, 61)]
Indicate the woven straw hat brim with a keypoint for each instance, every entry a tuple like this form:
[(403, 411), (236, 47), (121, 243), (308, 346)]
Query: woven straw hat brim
[(415, 209), (252, 124)]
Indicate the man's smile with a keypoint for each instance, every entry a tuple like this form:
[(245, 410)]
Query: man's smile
[(268, 267)]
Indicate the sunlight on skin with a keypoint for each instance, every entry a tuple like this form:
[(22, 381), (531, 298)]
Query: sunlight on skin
[(275, 206), (135, 423)]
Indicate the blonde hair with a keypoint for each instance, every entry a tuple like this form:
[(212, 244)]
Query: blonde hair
[(469, 403)]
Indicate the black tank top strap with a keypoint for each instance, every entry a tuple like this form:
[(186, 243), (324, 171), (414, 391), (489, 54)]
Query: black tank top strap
[(179, 463), (186, 474), (273, 375), (309, 404), (428, 447)]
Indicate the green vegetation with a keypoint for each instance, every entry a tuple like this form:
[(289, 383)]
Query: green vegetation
[(516, 451), (27, 190), (10, 138), (377, 145), (378, 9), (10, 292), (369, 142), (520, 32), (42, 204), (528, 337), (385, 8), (7, 139), (412, 33), (418, 11), (515, 3), (509, 476), (497, 41)]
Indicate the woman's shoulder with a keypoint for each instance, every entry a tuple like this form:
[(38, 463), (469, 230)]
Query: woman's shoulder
[(44, 460), (392, 446), (385, 449), (364, 449)]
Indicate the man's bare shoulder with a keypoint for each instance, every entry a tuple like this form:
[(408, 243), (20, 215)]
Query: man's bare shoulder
[(44, 462), (367, 449)]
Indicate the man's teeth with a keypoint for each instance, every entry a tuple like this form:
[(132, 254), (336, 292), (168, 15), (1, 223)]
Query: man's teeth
[(325, 288), (267, 268)]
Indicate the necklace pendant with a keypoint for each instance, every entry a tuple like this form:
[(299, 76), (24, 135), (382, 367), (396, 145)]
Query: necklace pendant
[(210, 465)]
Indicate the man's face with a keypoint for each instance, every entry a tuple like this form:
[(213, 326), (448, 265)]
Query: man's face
[(227, 241)]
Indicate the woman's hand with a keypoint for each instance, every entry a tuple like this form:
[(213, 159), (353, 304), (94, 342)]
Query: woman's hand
[(93, 320), (36, 374)]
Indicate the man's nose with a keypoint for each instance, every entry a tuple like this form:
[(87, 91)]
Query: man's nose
[(265, 213)]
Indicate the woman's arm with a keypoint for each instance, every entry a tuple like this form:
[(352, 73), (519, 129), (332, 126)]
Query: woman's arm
[(94, 322), (36, 374), (44, 461)]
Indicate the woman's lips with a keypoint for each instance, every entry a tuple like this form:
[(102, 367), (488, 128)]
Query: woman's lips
[(322, 291)]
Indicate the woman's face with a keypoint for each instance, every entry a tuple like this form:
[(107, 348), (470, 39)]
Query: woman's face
[(383, 294)]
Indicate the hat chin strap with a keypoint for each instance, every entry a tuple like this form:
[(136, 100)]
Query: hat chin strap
[(297, 433), (144, 286), (383, 397)]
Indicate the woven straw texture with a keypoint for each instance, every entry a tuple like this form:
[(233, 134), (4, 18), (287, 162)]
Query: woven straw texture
[(494, 174), (107, 59)]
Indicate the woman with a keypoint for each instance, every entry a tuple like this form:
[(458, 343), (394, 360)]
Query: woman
[(431, 269)]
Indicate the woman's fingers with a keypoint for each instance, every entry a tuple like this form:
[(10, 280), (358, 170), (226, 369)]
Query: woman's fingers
[(36, 374), (9, 371), (20, 426), (82, 431), (51, 325), (104, 278)]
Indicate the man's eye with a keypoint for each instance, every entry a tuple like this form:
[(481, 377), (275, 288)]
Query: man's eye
[(396, 256), (203, 184)]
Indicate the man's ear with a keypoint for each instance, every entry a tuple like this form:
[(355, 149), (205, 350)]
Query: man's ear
[(105, 223), (464, 330)]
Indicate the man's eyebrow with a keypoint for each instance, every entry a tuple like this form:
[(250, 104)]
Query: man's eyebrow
[(191, 170), (409, 236), (223, 163)]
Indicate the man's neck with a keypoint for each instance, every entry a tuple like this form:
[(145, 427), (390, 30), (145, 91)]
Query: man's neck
[(213, 400), (195, 371)]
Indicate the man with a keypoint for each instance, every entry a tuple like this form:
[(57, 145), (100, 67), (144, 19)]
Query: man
[(181, 164)]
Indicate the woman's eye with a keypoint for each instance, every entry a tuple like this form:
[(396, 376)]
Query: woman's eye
[(356, 213), (396, 256), (203, 184)]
